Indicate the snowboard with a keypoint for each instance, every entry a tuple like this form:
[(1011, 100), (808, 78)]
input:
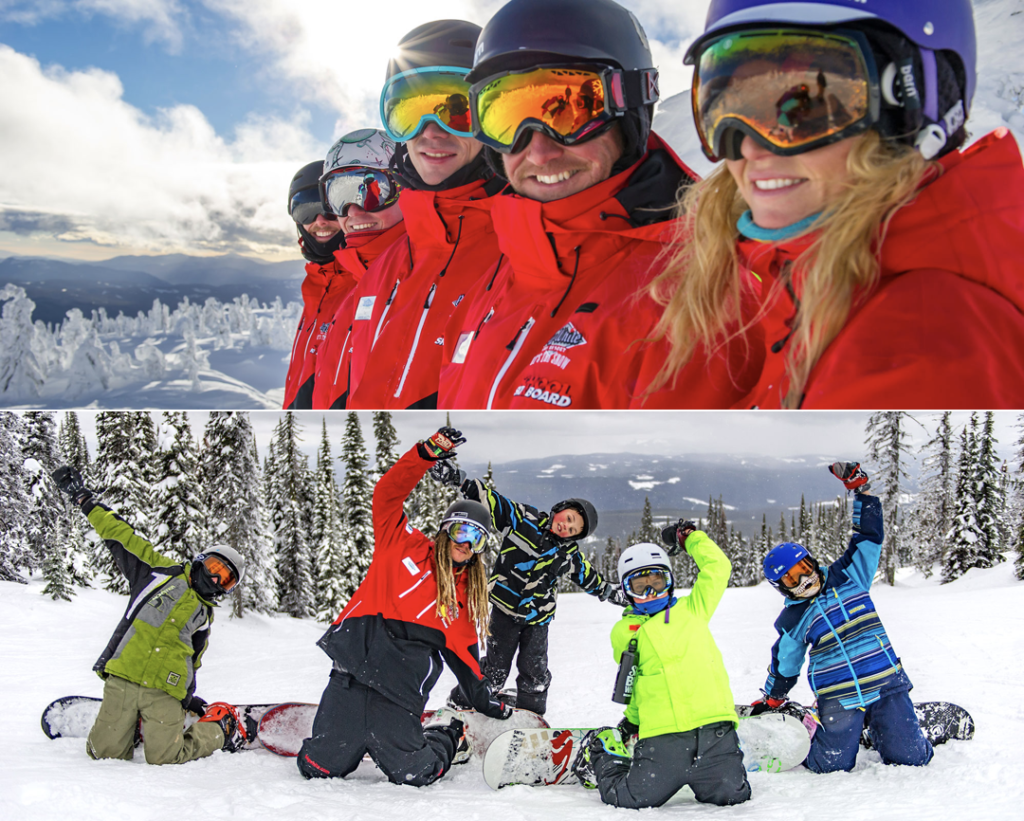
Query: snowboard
[(941, 721), (73, 717), (283, 728), (772, 742)]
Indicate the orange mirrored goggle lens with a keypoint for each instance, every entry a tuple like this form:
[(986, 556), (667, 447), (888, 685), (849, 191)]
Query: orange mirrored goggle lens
[(413, 98), (221, 571), (566, 100), (792, 88), (791, 578)]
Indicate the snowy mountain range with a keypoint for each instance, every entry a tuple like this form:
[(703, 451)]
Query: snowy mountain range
[(676, 486)]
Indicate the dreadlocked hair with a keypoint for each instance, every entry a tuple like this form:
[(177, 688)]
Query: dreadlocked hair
[(476, 592)]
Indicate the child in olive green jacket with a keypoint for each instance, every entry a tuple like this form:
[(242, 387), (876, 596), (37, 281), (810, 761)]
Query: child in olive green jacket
[(681, 706)]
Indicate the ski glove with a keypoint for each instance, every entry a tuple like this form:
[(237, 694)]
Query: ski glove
[(627, 729), (613, 593), (442, 444), (194, 704), (674, 536), (447, 474), (70, 481), (499, 710), (767, 705), (851, 475)]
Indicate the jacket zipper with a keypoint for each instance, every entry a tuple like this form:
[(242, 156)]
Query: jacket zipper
[(416, 339), (384, 315), (516, 347)]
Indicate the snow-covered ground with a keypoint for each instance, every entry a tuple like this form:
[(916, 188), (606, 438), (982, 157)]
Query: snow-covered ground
[(962, 642)]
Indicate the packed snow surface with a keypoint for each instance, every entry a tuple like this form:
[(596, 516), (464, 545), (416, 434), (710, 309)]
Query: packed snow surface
[(962, 642)]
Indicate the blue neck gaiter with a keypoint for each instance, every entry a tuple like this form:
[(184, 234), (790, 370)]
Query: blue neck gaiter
[(746, 226), (649, 608)]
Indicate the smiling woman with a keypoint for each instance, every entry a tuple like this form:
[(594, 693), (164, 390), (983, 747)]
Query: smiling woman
[(883, 260)]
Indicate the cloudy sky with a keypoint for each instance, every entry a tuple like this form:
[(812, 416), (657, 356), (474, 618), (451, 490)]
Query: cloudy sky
[(505, 436), (154, 126)]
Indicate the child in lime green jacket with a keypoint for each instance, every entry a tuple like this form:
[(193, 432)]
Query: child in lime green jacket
[(681, 705)]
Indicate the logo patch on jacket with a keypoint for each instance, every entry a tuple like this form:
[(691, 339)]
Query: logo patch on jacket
[(173, 679), (365, 308), (554, 352), (548, 391)]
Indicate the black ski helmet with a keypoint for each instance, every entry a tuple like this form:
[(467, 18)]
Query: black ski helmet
[(585, 509), (440, 43), (308, 177), (527, 33), (466, 510)]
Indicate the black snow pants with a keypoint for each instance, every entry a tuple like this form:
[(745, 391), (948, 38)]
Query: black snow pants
[(354, 719), (707, 759), (531, 640)]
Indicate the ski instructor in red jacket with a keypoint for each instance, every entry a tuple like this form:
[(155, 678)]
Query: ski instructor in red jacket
[(423, 602)]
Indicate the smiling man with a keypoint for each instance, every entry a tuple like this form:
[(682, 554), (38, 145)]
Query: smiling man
[(562, 97), (398, 315)]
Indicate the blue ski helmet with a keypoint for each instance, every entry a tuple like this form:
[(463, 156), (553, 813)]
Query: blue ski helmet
[(780, 559), (931, 25)]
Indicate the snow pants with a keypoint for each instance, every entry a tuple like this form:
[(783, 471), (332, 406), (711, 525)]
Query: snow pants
[(892, 727), (354, 719), (707, 759), (531, 640), (164, 737)]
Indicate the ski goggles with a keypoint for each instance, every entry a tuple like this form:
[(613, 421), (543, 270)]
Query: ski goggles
[(222, 571), (306, 206), (790, 90), (648, 581), (791, 578), (439, 94), (371, 189), (468, 533), (569, 104)]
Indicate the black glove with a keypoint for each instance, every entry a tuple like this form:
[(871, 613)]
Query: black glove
[(613, 593), (674, 536), (442, 444), (194, 704), (767, 704), (70, 481), (851, 475), (499, 710), (447, 474), (627, 728)]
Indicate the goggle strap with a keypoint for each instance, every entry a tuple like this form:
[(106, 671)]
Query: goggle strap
[(639, 88)]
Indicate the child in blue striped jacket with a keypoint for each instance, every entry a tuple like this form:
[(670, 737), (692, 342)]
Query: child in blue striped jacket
[(853, 670)]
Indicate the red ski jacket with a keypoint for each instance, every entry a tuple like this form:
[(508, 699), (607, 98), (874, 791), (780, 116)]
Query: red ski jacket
[(389, 636), (401, 308), (360, 260), (565, 322), (323, 290), (944, 327)]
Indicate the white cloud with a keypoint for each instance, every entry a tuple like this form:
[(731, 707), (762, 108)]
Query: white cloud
[(161, 20), (90, 167)]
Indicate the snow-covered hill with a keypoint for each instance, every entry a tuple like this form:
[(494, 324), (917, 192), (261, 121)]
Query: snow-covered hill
[(963, 642)]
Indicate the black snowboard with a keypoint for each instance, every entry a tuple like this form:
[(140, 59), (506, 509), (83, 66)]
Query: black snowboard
[(73, 717)]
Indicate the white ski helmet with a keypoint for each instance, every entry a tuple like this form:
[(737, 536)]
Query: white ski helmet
[(363, 148), (638, 556)]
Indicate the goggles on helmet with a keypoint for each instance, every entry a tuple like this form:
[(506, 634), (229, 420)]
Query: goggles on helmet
[(647, 581), (439, 94), (306, 206), (371, 189), (567, 103), (468, 533), (220, 570), (790, 90)]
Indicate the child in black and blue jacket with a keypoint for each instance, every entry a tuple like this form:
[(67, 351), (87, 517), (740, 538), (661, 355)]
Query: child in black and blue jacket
[(853, 670)]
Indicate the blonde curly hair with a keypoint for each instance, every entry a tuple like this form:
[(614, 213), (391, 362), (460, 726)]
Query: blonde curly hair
[(701, 285)]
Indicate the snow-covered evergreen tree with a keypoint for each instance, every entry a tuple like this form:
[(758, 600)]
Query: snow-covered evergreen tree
[(16, 509), (231, 479), (120, 472), (935, 507), (966, 537), (889, 452), (648, 531), (326, 536), (289, 498), (21, 376), (179, 510), (991, 495), (73, 449), (386, 442), (357, 496), (50, 523)]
